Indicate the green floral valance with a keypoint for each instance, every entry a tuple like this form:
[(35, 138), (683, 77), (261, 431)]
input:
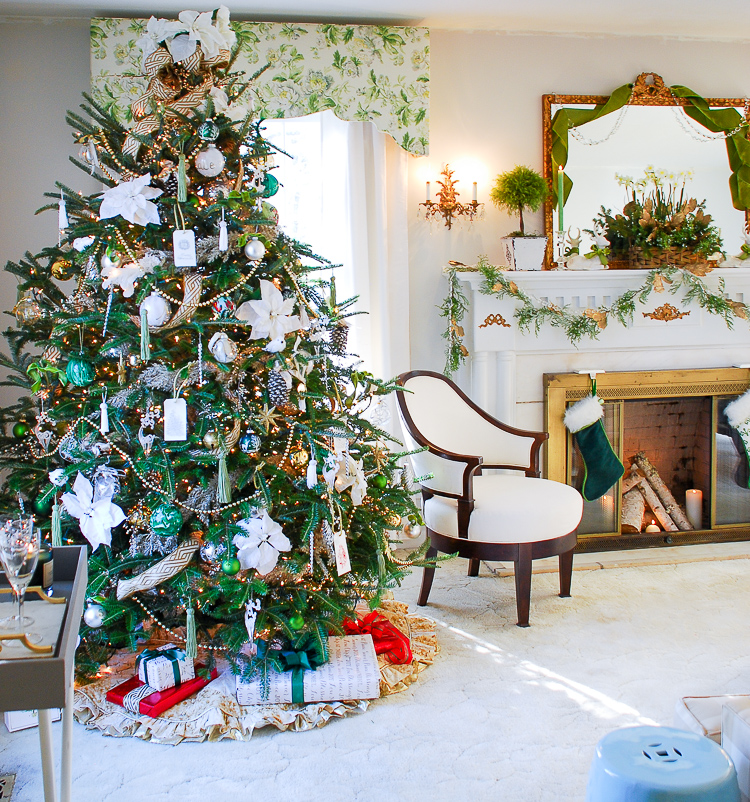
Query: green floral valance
[(379, 74)]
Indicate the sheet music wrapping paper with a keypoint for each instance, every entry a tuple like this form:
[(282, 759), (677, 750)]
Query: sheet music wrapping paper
[(352, 672)]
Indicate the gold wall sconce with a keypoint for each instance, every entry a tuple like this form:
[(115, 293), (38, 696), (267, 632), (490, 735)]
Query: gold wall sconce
[(448, 206)]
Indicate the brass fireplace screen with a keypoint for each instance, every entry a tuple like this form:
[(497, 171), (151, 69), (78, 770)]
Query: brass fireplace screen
[(675, 418)]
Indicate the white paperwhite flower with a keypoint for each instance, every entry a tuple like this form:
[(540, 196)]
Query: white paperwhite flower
[(58, 477), (200, 28), (82, 242), (220, 99), (260, 548), (132, 200), (351, 474), (157, 31), (271, 316), (124, 277), (96, 518)]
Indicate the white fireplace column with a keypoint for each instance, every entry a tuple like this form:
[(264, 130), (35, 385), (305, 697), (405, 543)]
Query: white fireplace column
[(493, 383)]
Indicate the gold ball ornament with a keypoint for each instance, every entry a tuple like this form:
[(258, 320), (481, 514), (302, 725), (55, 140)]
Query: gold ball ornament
[(62, 269), (211, 440), (299, 458), (27, 310), (393, 520)]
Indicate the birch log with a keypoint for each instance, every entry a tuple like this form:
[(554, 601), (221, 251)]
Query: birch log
[(667, 524), (633, 507), (633, 478), (667, 499)]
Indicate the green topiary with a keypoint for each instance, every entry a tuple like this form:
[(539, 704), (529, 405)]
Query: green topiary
[(518, 189)]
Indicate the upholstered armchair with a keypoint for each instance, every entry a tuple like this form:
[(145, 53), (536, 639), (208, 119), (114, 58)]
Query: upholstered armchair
[(508, 514)]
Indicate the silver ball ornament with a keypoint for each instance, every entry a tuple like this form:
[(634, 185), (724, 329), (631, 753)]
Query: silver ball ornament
[(212, 552), (412, 530), (110, 260), (255, 250), (94, 616), (210, 162)]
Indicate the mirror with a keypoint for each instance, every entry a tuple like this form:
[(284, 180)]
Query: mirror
[(646, 124)]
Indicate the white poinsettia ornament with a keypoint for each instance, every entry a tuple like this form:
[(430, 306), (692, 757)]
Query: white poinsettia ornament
[(123, 277), (96, 518), (132, 201), (260, 548), (271, 316)]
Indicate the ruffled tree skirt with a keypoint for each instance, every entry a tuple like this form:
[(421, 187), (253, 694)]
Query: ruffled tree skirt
[(213, 714)]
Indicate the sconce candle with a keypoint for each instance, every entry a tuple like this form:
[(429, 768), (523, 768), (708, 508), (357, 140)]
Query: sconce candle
[(427, 196), (474, 191), (694, 508), (560, 187)]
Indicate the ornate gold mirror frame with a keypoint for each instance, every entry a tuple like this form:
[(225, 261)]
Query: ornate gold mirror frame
[(717, 115)]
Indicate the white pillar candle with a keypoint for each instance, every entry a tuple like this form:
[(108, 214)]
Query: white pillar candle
[(474, 191), (652, 527), (694, 508), (427, 198)]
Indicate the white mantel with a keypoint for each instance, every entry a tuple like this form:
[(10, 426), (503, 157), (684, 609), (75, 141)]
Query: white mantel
[(507, 365)]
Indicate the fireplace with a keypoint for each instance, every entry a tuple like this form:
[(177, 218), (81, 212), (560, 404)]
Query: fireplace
[(674, 420)]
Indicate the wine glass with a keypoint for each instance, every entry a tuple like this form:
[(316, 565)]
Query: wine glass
[(19, 550)]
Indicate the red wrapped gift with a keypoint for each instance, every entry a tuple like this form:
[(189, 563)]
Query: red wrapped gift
[(134, 695), (388, 640)]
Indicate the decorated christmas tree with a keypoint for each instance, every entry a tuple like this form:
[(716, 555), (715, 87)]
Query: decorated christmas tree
[(191, 411)]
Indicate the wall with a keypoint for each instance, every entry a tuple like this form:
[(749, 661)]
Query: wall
[(485, 107), (486, 91), (43, 70)]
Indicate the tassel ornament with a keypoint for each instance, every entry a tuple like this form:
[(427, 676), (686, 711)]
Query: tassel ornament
[(62, 214), (224, 490), (223, 235), (191, 639), (181, 181), (56, 525), (103, 417), (145, 335)]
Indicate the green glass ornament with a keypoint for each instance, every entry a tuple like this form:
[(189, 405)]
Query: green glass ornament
[(296, 622), (166, 520), (209, 131), (270, 186), (231, 566), (21, 429), (43, 505), (379, 481), (80, 371)]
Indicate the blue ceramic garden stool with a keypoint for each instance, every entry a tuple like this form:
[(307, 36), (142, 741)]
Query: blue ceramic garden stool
[(660, 764)]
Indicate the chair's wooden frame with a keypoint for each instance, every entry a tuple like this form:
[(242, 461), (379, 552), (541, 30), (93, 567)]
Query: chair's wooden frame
[(521, 554)]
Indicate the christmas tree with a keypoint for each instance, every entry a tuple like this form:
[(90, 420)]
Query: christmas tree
[(191, 411)]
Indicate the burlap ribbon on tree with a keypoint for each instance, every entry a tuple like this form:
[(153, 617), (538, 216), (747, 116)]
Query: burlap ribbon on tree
[(165, 87)]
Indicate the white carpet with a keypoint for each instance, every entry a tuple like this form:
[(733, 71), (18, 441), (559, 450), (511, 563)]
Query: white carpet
[(504, 714)]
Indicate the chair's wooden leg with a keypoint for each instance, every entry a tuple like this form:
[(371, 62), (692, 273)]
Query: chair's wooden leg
[(474, 566), (427, 576), (523, 583), (566, 573)]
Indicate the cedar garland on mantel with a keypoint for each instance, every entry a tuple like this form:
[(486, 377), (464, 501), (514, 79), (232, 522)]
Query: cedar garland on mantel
[(532, 314)]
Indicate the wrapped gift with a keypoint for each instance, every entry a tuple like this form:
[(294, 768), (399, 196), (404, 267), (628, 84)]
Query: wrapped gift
[(164, 667), (351, 673), (386, 638), (137, 697)]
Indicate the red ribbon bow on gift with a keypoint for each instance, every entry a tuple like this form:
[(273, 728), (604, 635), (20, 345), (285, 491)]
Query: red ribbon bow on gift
[(387, 639)]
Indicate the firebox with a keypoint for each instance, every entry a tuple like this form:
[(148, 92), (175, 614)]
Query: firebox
[(686, 471)]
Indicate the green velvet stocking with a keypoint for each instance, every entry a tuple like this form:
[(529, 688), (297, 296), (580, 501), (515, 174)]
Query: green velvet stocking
[(602, 467)]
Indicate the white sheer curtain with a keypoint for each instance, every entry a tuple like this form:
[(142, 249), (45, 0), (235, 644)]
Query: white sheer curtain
[(344, 194)]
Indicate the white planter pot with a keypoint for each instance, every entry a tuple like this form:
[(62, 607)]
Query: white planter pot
[(525, 253)]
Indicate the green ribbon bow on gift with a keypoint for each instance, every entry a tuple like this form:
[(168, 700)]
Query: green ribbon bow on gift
[(310, 652), (173, 655)]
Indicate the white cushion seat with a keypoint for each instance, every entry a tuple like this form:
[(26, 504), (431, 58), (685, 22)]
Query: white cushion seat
[(510, 509)]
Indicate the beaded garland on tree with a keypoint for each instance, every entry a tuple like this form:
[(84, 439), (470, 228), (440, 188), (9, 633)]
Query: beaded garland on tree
[(193, 415)]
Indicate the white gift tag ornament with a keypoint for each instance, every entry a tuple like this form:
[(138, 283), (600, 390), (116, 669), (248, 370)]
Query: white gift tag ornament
[(340, 547), (183, 243), (175, 419)]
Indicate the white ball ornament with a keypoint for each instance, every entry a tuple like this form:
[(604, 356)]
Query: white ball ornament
[(255, 250), (210, 162), (94, 616), (223, 349), (157, 309)]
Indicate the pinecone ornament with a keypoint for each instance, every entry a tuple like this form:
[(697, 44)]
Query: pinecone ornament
[(278, 392), (339, 337)]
